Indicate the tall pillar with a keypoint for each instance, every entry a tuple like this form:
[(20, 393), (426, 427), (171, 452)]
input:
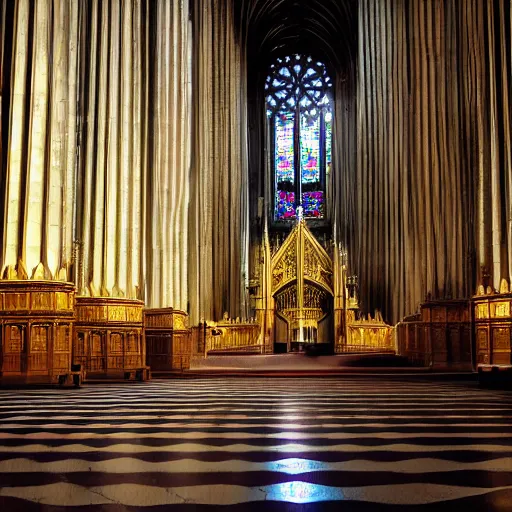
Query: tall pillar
[(40, 155), (219, 188), (39, 56)]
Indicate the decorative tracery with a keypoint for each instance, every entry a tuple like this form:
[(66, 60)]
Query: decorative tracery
[(299, 110)]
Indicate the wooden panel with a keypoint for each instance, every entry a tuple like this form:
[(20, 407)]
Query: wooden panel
[(14, 350), (14, 339), (500, 336), (439, 346), (38, 357), (454, 343)]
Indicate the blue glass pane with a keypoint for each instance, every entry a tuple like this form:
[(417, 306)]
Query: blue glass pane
[(284, 148), (313, 204), (328, 142), (305, 101), (285, 205), (310, 149), (278, 83)]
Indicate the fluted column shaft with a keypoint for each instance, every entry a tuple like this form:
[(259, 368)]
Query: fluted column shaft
[(432, 184), (39, 163), (219, 209)]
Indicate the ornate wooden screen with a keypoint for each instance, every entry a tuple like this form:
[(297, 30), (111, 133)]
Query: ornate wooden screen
[(302, 285)]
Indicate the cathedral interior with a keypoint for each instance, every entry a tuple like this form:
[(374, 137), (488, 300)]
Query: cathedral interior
[(299, 172), (187, 185)]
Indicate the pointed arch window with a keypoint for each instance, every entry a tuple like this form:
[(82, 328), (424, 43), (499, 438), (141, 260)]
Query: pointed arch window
[(299, 109)]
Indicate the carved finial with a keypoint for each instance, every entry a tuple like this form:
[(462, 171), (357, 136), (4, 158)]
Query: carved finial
[(21, 270), (480, 290), (117, 292), (62, 274), (9, 273), (485, 276), (504, 288), (39, 273), (92, 290), (300, 213)]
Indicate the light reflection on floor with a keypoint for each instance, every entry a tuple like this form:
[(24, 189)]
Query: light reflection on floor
[(296, 466), (291, 448), (302, 492)]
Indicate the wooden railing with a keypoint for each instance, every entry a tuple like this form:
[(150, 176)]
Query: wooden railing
[(233, 337), (367, 335), (369, 338)]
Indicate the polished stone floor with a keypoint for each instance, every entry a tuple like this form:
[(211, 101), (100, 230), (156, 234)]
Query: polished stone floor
[(344, 444)]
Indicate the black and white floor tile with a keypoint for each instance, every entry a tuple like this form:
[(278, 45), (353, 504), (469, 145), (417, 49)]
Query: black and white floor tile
[(348, 444)]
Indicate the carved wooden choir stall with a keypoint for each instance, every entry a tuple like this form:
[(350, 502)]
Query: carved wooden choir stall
[(109, 339), (492, 316), (168, 339), (439, 336), (36, 325)]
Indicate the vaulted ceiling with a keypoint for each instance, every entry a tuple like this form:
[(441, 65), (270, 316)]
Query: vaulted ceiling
[(325, 28)]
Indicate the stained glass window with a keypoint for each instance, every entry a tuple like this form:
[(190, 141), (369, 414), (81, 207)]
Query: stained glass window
[(310, 149), (284, 166), (285, 205), (328, 142), (313, 204), (299, 112), (284, 148)]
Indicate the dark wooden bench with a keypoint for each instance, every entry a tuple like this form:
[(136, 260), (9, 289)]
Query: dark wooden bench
[(495, 375), (141, 374), (75, 376)]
